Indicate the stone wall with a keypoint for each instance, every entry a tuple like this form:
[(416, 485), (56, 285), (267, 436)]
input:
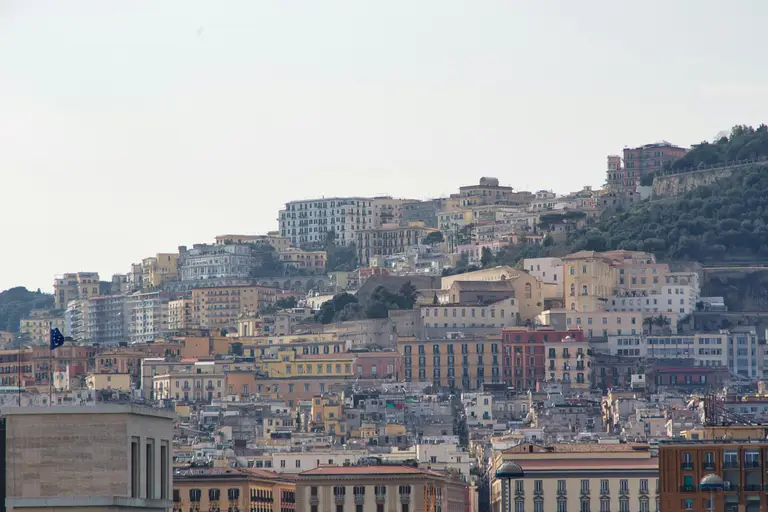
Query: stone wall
[(677, 184)]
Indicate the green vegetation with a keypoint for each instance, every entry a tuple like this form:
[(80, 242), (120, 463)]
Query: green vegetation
[(436, 237), (269, 262), (344, 306), (16, 303), (287, 302), (744, 143)]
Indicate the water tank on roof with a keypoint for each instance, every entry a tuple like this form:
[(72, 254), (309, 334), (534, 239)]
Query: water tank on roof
[(489, 182)]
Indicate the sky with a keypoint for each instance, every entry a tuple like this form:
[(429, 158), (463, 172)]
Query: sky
[(130, 128)]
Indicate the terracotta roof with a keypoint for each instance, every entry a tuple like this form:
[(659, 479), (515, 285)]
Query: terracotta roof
[(544, 464), (367, 470)]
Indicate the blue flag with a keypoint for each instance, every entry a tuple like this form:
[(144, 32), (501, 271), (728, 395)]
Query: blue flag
[(57, 339)]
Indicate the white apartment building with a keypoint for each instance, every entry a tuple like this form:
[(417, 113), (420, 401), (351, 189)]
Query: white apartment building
[(674, 298), (148, 316), (743, 353), (706, 349), (546, 270), (442, 456), (308, 221)]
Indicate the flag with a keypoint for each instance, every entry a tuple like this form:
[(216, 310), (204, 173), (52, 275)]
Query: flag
[(57, 339)]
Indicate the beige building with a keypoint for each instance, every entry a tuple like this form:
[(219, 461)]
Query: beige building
[(188, 386), (376, 488), (108, 381), (37, 326), (312, 262), (528, 293), (158, 269), (589, 279), (272, 238), (220, 306), (501, 313), (180, 314), (80, 285), (389, 239), (577, 477), (102, 458), (568, 361)]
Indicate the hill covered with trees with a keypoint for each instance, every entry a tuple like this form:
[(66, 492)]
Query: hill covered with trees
[(16, 303)]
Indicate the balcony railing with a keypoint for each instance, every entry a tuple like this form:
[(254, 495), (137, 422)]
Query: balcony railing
[(687, 488), (731, 464), (686, 465)]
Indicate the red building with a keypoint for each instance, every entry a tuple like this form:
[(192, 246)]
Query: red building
[(524, 358), (379, 365), (682, 373), (639, 162)]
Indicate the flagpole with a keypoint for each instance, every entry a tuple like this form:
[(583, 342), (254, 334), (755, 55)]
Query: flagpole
[(50, 380), (18, 361)]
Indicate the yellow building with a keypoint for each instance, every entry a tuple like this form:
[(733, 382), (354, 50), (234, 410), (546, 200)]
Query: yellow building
[(582, 476), (158, 269), (568, 361), (37, 326), (389, 239), (286, 363), (498, 314), (588, 280), (328, 413), (455, 363), (220, 306), (80, 285), (6, 337), (310, 261), (108, 381), (232, 489), (528, 291)]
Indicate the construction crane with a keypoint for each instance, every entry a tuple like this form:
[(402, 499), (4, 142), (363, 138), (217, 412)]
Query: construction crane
[(717, 415)]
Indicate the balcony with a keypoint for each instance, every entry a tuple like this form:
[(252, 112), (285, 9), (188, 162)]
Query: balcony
[(731, 464), (687, 488), (752, 464), (753, 487), (708, 465), (686, 465)]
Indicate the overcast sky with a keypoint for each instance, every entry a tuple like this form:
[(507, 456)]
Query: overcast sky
[(130, 128)]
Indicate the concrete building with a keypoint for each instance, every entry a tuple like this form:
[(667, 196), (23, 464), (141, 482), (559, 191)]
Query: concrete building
[(376, 488), (181, 315), (187, 386), (478, 408), (105, 319), (743, 352), (499, 313), (272, 238), (79, 285), (97, 458), (487, 191), (158, 269), (108, 382), (577, 477), (706, 349), (421, 211), (148, 316), (37, 326), (547, 270), (525, 355)]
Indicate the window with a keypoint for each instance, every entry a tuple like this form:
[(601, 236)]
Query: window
[(519, 506), (149, 461), (624, 504), (164, 468), (135, 467), (519, 487), (561, 506), (585, 487), (584, 505), (538, 506), (561, 486), (623, 485), (687, 504), (605, 504), (644, 507), (644, 485), (538, 486)]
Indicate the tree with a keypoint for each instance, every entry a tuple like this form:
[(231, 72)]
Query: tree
[(16, 303), (236, 349), (435, 237), (298, 421), (287, 302), (434, 300), (486, 257)]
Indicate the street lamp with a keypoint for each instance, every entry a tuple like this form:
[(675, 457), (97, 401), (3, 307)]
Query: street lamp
[(711, 483), (506, 473)]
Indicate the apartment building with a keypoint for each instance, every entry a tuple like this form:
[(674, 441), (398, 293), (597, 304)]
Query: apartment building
[(649, 159), (546, 270), (202, 489), (525, 353), (706, 349), (149, 316), (743, 352), (115, 457), (181, 314), (488, 191), (455, 363), (569, 361), (500, 313), (600, 324), (206, 264), (309, 221), (108, 382), (576, 477), (158, 269), (187, 386), (389, 239), (381, 487), (589, 278), (79, 285), (219, 306), (105, 319), (675, 293), (312, 262), (36, 327), (738, 461)]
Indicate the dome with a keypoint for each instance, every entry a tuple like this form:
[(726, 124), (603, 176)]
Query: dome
[(711, 482), (510, 470)]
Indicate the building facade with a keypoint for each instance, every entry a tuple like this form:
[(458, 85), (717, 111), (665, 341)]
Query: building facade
[(589, 278), (37, 326), (79, 285), (525, 354), (309, 221), (219, 306), (158, 269), (389, 239)]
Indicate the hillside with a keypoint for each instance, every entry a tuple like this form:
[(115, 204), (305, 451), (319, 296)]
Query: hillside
[(15, 303)]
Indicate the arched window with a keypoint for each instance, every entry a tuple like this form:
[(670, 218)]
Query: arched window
[(573, 290)]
